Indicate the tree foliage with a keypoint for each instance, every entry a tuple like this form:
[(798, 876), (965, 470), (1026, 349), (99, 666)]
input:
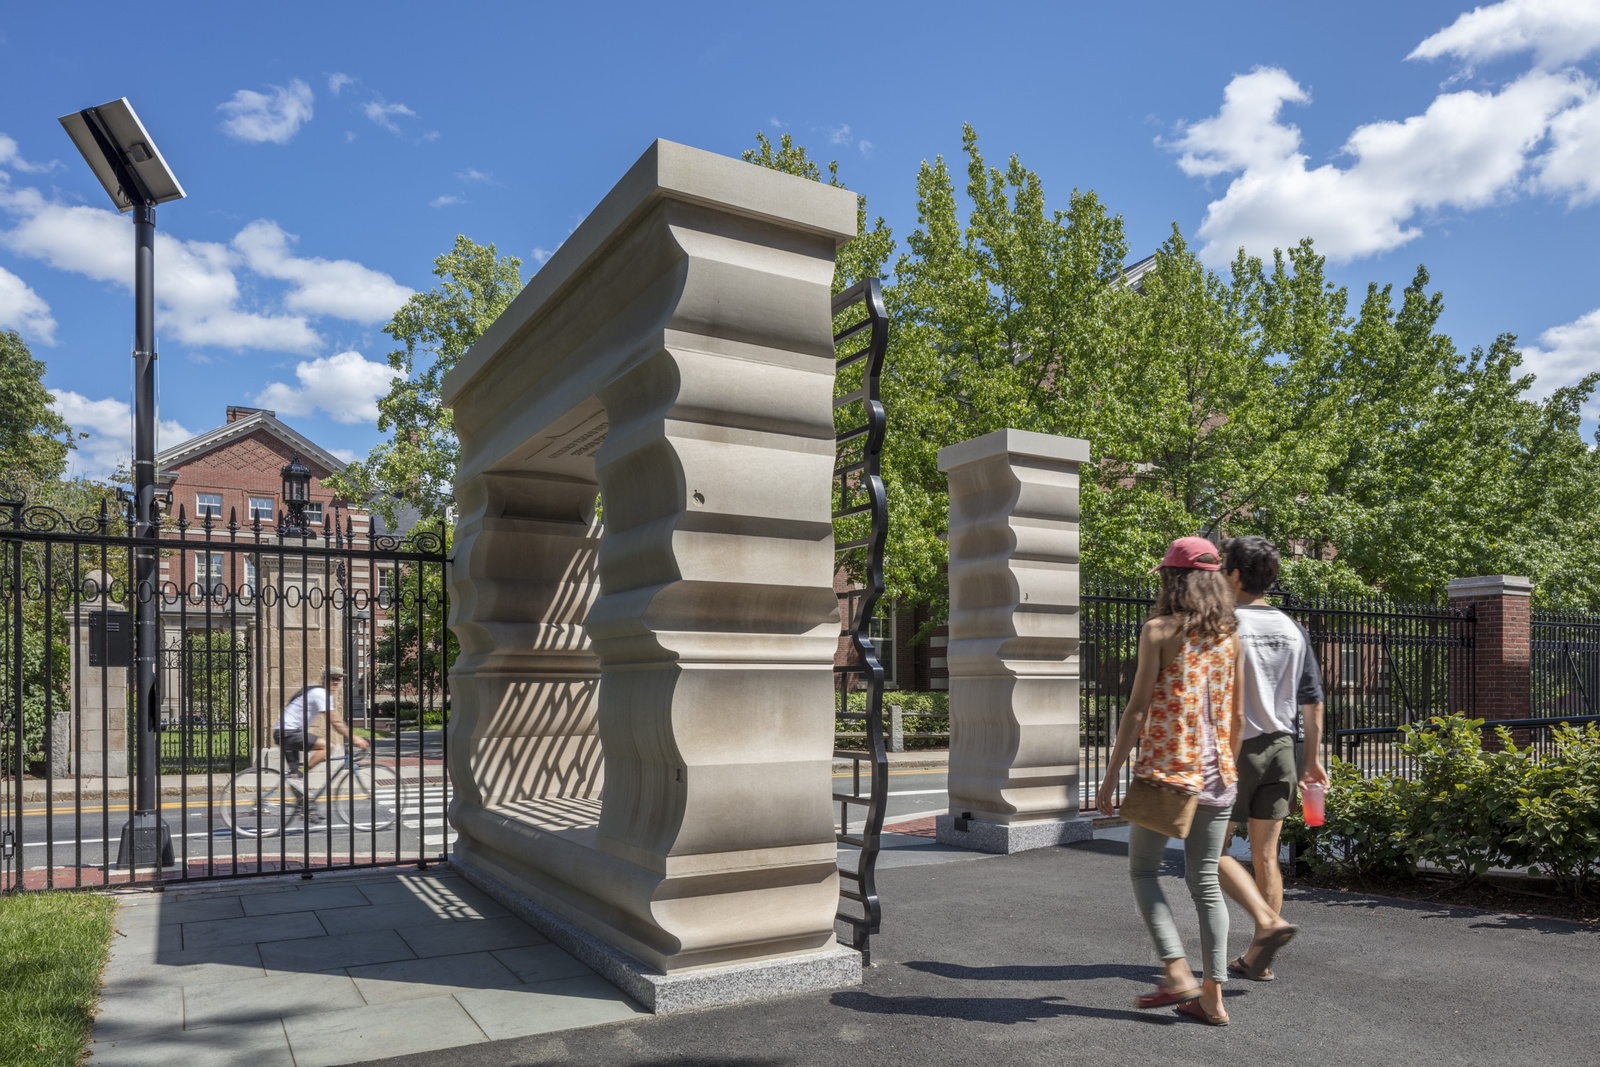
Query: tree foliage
[(34, 439), (416, 465), (1260, 399)]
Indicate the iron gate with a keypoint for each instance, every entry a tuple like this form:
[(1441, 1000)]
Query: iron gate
[(1384, 664), (248, 615)]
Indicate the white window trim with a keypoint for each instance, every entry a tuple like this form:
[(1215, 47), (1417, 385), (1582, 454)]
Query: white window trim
[(271, 508), (202, 508)]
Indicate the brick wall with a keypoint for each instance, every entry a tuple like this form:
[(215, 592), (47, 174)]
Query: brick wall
[(1502, 652)]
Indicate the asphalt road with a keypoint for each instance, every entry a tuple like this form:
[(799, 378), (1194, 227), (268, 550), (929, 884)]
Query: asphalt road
[(54, 836), (1036, 959)]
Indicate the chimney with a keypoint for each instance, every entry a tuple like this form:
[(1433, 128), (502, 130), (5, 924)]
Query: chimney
[(235, 413)]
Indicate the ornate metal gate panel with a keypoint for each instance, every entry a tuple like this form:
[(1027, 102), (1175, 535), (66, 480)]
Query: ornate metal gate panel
[(861, 526), (248, 614)]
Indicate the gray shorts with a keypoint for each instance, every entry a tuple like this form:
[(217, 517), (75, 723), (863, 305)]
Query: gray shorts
[(1266, 778)]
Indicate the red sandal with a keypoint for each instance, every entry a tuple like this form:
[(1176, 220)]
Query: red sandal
[(1164, 996)]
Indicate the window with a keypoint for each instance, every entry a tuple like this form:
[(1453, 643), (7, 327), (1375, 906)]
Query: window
[(1350, 665), (314, 514), (208, 505), (250, 585), (882, 633), (386, 587), (261, 508), (208, 573)]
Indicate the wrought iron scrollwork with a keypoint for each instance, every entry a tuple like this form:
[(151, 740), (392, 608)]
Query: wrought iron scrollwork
[(861, 526)]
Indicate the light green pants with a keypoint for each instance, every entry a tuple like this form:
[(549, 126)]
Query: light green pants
[(1201, 850)]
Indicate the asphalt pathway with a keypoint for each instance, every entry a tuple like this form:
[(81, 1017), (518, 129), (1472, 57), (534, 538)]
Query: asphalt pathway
[(1037, 958)]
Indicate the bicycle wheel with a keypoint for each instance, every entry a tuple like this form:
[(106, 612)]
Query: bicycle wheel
[(366, 798), (257, 803)]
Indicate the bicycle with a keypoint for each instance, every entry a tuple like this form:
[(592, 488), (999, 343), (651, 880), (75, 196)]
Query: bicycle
[(261, 801)]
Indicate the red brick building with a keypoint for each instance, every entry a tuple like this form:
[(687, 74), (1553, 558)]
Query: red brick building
[(233, 594)]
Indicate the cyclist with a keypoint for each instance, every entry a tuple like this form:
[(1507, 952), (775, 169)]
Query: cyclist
[(294, 732)]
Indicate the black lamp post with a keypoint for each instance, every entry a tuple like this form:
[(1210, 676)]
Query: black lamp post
[(122, 155), (296, 495)]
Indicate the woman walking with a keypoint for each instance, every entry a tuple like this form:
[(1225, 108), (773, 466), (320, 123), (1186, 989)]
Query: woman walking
[(1185, 712)]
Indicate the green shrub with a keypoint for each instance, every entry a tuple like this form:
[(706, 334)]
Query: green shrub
[(1366, 830), (920, 713), (1462, 800), (1556, 802)]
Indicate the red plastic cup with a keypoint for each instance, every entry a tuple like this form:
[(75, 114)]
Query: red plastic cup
[(1311, 797)]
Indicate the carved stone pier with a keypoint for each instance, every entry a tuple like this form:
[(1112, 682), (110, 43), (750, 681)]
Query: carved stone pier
[(673, 359), (1013, 649)]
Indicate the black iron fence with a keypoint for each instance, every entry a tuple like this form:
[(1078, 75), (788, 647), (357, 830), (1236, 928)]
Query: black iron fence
[(1565, 663), (248, 616), (1384, 664)]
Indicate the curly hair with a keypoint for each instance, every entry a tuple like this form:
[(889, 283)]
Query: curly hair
[(1202, 600)]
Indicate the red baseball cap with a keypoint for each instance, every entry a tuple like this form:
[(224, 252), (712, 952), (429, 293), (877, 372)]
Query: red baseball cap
[(1186, 552)]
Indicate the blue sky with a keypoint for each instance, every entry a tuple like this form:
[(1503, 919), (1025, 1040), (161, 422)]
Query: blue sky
[(331, 151)]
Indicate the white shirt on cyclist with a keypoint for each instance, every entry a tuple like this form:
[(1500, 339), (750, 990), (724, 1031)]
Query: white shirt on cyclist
[(304, 708)]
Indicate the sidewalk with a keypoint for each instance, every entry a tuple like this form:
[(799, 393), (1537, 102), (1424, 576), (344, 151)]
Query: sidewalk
[(1027, 959)]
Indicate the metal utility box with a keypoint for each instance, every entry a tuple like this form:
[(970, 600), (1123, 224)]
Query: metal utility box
[(110, 639)]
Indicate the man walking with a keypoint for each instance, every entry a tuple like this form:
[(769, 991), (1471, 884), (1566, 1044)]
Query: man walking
[(1282, 684)]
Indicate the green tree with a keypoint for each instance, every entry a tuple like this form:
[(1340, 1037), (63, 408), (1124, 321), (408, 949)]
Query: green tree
[(416, 466), (34, 439)]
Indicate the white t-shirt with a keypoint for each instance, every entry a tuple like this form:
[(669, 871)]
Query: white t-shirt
[(304, 708), (1280, 671)]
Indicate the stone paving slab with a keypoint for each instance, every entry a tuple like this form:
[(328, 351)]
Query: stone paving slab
[(299, 973), (375, 1030)]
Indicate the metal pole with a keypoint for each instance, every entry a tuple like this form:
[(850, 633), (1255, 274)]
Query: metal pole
[(146, 840)]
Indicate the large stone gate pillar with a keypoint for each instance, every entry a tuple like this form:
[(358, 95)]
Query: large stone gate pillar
[(676, 356), (1013, 649)]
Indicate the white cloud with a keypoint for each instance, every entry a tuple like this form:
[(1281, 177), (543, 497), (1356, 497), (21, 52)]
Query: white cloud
[(540, 255), (384, 114), (11, 158), (347, 455), (24, 310), (1246, 133), (338, 287), (1557, 32), (447, 200), (346, 386), (258, 117), (337, 81), (196, 286), (1572, 165), (775, 122), (1565, 354), (1466, 151), (839, 134), (472, 174), (866, 147), (109, 426)]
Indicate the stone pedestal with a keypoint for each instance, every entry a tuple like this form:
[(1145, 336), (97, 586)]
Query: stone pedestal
[(100, 695), (1013, 646), (674, 356)]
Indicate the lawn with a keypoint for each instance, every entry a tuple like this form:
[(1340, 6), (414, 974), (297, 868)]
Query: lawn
[(52, 949)]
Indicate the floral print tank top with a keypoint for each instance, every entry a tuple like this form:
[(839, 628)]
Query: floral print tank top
[(1171, 744)]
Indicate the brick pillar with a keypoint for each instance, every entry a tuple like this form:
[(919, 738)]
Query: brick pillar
[(1502, 654)]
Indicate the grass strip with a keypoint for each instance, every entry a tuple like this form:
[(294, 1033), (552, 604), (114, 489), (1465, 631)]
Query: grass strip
[(53, 947)]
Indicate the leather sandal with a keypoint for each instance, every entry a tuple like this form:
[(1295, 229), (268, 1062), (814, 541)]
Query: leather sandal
[(1241, 967), (1193, 1010), (1164, 996)]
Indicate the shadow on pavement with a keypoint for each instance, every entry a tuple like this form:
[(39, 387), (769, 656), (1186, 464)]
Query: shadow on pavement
[(1072, 972), (1007, 1010)]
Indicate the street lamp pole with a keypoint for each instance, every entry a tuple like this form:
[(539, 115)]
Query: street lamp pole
[(118, 149)]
